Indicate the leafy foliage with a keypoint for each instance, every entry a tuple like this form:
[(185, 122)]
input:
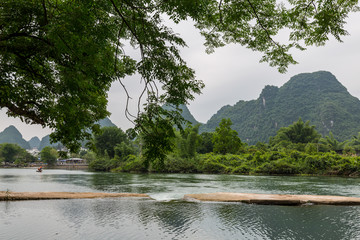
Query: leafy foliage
[(65, 54), (189, 141), (205, 144), (49, 155), (12, 153), (225, 139), (111, 141), (298, 132), (331, 143), (354, 142)]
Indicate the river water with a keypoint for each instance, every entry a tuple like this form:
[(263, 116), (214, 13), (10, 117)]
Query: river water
[(167, 216)]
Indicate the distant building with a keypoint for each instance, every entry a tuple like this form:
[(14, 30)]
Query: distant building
[(34, 152), (71, 161)]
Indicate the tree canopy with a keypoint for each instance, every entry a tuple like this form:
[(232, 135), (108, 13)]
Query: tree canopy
[(298, 132), (11, 153), (49, 155), (225, 139), (59, 58), (108, 138)]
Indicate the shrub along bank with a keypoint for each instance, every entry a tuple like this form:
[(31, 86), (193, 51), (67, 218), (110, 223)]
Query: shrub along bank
[(257, 162), (297, 149)]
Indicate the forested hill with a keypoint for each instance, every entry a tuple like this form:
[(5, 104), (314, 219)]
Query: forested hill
[(185, 113), (318, 97), (12, 135)]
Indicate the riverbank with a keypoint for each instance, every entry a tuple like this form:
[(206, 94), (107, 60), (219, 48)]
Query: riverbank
[(63, 166)]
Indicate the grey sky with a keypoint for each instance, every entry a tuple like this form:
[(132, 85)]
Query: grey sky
[(234, 73)]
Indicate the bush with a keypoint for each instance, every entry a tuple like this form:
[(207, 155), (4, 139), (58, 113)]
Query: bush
[(212, 166), (175, 164), (281, 166), (275, 156), (115, 162), (133, 164), (242, 169), (348, 166), (99, 165), (311, 148)]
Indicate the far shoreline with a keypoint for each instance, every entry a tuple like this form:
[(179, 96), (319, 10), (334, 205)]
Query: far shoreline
[(86, 169)]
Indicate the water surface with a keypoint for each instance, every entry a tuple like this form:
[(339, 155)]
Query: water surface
[(168, 217)]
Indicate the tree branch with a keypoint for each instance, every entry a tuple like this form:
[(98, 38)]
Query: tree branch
[(261, 25)]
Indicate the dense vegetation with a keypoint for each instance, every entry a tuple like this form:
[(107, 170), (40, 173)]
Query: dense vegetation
[(14, 154), (295, 149), (223, 152), (316, 97)]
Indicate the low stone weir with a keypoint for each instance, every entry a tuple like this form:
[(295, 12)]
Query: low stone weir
[(274, 199), (251, 198), (13, 196)]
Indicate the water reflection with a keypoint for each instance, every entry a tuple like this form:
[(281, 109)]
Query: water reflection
[(286, 222), (149, 219)]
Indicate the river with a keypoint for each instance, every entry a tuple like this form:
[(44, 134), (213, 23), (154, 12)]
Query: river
[(167, 216)]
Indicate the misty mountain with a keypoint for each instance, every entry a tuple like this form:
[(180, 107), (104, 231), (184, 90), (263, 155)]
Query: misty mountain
[(34, 142), (12, 135), (45, 141), (185, 113), (106, 122), (318, 97)]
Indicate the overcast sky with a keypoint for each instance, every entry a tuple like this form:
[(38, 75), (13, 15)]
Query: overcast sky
[(234, 73)]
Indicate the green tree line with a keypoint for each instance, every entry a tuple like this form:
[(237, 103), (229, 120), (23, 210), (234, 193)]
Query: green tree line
[(296, 149)]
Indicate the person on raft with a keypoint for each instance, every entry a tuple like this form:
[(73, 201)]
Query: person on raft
[(39, 169)]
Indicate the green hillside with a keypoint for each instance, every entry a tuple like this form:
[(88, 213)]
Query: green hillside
[(318, 97), (34, 142), (12, 135), (185, 113), (106, 122)]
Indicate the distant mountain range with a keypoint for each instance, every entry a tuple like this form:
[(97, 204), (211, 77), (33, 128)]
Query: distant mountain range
[(12, 135), (318, 97)]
